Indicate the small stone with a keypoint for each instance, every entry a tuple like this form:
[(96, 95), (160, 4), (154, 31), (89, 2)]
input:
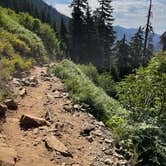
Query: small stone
[(16, 82), (33, 84), (109, 152), (108, 141), (22, 92), (11, 104), (108, 162), (90, 139), (68, 108), (77, 107), (87, 131), (97, 133)]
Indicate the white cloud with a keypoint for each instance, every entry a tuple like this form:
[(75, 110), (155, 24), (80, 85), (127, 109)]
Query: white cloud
[(130, 13)]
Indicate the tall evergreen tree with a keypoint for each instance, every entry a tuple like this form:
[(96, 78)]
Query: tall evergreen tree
[(64, 38), (91, 40), (104, 21), (77, 29), (136, 48), (123, 55)]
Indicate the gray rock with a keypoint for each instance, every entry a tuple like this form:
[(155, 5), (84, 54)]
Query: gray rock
[(22, 92), (108, 162), (54, 144), (29, 121), (86, 131)]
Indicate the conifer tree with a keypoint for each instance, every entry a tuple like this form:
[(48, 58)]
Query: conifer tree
[(91, 40), (77, 29), (104, 21), (64, 38), (123, 55), (136, 48)]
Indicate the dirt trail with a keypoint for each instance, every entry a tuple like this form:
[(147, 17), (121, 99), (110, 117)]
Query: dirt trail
[(48, 100)]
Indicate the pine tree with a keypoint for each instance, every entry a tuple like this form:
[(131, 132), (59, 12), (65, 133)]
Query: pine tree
[(91, 40), (136, 49), (64, 38), (123, 55), (104, 21), (163, 41), (77, 29)]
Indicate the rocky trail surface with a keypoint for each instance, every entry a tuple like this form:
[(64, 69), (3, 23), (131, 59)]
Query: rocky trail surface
[(48, 130)]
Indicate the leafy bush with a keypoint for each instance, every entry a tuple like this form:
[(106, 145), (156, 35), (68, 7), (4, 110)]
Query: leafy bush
[(145, 92), (90, 71), (145, 95), (30, 38), (103, 80), (44, 31)]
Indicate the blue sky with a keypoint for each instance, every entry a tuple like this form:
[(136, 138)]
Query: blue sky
[(127, 13)]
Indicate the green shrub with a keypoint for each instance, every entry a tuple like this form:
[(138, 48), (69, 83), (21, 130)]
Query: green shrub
[(30, 38), (144, 93), (82, 89), (103, 80)]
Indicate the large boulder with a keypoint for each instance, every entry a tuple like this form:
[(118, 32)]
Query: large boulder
[(11, 104), (29, 121), (8, 156), (3, 109), (54, 144)]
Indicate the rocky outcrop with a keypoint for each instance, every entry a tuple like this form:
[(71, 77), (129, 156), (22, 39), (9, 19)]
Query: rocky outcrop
[(29, 121)]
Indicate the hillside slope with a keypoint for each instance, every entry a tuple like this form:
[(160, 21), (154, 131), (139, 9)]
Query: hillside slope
[(37, 8)]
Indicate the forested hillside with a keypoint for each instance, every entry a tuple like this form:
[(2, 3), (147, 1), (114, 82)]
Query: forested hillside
[(101, 101), (38, 9)]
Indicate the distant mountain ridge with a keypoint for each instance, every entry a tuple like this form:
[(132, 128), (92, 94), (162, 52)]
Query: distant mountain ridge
[(129, 32)]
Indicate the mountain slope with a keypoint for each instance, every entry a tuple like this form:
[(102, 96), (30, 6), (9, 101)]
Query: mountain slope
[(129, 32), (37, 8)]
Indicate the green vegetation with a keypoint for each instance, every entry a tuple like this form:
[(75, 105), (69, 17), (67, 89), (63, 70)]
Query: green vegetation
[(144, 94), (139, 133), (24, 41), (103, 80), (82, 89)]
